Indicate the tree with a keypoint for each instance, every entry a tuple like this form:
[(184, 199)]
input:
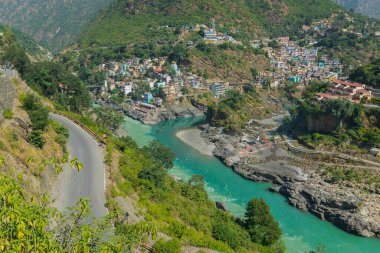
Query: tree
[(160, 153), (109, 118), (291, 87), (179, 54), (154, 174), (260, 224)]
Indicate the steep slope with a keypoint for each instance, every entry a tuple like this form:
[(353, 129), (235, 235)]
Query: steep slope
[(366, 7), (54, 23), (132, 21)]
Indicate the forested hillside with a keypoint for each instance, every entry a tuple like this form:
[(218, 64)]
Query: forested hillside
[(132, 21), (365, 7), (53, 23)]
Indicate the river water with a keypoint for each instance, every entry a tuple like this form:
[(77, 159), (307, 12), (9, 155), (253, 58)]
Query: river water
[(301, 231)]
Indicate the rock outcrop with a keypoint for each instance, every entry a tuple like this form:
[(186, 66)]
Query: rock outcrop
[(300, 184)]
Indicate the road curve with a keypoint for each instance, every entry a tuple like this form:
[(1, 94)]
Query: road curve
[(90, 182)]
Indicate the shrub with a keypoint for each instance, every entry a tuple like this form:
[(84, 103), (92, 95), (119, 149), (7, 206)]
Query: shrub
[(36, 139), (39, 118), (8, 114), (161, 154), (154, 174), (172, 246), (261, 225)]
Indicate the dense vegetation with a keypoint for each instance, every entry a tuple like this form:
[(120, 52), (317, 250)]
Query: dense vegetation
[(39, 117), (368, 74), (365, 7), (182, 209), (55, 24), (29, 225), (47, 78), (234, 110), (126, 22), (334, 123)]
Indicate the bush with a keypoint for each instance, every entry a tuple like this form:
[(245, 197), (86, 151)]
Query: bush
[(39, 118), (154, 174), (261, 225), (8, 114), (36, 139), (161, 154), (172, 246)]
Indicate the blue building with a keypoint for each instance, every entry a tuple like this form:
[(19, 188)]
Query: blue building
[(148, 97)]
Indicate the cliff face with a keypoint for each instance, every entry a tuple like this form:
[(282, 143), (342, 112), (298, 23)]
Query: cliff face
[(7, 95), (322, 124)]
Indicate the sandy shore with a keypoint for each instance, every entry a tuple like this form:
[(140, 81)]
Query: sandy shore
[(192, 137)]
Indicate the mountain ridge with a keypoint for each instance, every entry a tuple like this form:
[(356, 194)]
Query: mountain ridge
[(366, 7), (52, 23)]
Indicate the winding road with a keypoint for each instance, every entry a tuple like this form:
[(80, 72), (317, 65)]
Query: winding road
[(90, 182)]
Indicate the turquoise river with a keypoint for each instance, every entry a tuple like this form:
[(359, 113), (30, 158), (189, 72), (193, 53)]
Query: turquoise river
[(302, 231)]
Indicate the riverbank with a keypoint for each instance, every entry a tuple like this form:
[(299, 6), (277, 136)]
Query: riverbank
[(299, 178), (192, 137), (302, 231)]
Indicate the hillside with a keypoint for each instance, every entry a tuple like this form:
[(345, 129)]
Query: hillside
[(365, 7), (126, 22), (53, 23)]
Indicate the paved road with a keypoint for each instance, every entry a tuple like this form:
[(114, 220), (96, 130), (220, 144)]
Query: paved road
[(90, 182)]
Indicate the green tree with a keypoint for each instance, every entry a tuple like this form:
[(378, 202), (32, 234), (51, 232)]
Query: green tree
[(154, 174), (260, 224), (160, 153), (109, 118)]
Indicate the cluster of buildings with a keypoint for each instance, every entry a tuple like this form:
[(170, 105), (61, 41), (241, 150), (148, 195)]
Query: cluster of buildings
[(340, 89), (211, 35), (293, 63)]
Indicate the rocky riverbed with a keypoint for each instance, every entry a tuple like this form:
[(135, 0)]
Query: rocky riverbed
[(299, 179)]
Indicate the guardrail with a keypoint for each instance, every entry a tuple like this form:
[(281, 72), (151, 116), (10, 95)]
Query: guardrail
[(100, 140)]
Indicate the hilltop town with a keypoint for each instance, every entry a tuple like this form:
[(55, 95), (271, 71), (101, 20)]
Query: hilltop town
[(146, 88)]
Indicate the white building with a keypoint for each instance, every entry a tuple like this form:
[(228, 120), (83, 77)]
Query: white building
[(128, 88)]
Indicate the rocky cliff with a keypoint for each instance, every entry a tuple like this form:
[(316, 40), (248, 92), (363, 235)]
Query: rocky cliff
[(300, 181)]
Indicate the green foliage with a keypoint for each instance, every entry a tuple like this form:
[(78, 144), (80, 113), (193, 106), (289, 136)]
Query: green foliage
[(55, 28), (55, 82), (36, 138), (230, 232), (39, 117), (260, 224), (138, 92), (7, 113), (368, 74), (38, 113), (182, 209), (313, 88), (172, 246), (235, 109), (237, 18), (161, 154), (109, 118), (341, 45), (13, 53), (155, 174)]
